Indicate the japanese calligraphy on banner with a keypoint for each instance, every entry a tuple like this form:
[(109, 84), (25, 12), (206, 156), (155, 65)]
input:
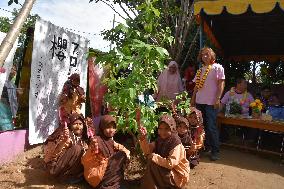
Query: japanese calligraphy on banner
[(57, 54), (8, 63)]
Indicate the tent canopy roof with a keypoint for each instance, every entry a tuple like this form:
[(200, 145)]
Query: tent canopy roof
[(244, 30)]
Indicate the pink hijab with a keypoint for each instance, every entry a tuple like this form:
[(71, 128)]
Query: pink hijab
[(169, 85)]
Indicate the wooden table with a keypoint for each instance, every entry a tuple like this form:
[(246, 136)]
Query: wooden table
[(253, 123)]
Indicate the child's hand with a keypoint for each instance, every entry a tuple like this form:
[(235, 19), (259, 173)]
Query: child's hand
[(150, 156), (89, 122), (94, 145), (65, 130), (128, 156), (138, 116), (173, 107), (63, 116), (142, 132)]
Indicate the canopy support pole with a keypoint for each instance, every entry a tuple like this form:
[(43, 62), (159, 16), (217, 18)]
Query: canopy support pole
[(201, 37)]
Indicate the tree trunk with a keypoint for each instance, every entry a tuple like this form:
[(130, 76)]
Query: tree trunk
[(14, 32), (253, 74), (182, 26)]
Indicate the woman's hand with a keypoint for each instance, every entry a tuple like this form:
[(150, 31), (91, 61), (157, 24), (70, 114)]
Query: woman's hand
[(193, 98), (217, 104), (192, 103)]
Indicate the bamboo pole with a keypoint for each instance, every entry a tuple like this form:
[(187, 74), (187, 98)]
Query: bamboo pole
[(14, 31)]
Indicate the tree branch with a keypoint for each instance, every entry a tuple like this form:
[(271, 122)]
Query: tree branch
[(166, 13), (131, 8), (186, 23), (125, 11), (180, 31), (113, 9), (190, 47)]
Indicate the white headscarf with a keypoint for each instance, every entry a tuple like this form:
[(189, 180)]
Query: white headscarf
[(169, 85)]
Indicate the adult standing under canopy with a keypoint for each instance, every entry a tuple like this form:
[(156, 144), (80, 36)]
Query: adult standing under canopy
[(210, 81), (169, 83)]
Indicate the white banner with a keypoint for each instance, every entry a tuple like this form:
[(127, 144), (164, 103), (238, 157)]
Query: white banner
[(8, 63), (57, 54)]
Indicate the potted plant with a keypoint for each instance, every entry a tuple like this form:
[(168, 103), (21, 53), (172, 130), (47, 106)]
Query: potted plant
[(256, 107), (235, 108)]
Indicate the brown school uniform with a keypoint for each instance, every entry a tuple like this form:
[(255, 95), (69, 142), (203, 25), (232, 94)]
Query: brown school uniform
[(186, 139), (63, 152), (168, 167), (104, 169)]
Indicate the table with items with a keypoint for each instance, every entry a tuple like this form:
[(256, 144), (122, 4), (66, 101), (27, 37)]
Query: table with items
[(264, 124)]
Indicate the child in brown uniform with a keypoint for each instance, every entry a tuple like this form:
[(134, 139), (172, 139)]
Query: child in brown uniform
[(167, 164), (197, 133), (184, 133), (64, 148), (104, 160)]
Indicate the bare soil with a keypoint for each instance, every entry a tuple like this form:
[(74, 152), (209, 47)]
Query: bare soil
[(236, 169)]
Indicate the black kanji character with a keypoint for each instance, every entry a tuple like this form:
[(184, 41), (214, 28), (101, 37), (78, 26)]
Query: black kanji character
[(53, 48), (73, 63), (60, 55), (76, 46), (62, 43)]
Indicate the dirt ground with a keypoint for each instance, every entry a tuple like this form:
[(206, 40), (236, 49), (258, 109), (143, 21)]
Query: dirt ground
[(236, 169)]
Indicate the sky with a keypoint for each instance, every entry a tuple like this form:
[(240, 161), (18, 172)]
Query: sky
[(79, 15)]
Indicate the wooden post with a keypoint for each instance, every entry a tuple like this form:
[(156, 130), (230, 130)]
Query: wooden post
[(14, 31)]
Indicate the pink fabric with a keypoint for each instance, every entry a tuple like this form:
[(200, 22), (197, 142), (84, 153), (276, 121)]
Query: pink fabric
[(12, 143), (169, 85), (97, 89), (2, 70), (207, 94)]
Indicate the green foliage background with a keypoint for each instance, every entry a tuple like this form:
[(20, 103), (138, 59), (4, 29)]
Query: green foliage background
[(133, 66)]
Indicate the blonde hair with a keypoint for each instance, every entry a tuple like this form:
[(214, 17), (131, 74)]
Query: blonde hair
[(211, 52)]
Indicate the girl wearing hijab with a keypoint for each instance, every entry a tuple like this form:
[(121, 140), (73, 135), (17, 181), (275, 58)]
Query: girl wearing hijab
[(167, 166), (197, 133), (183, 131), (169, 83), (104, 160), (64, 148), (71, 97)]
